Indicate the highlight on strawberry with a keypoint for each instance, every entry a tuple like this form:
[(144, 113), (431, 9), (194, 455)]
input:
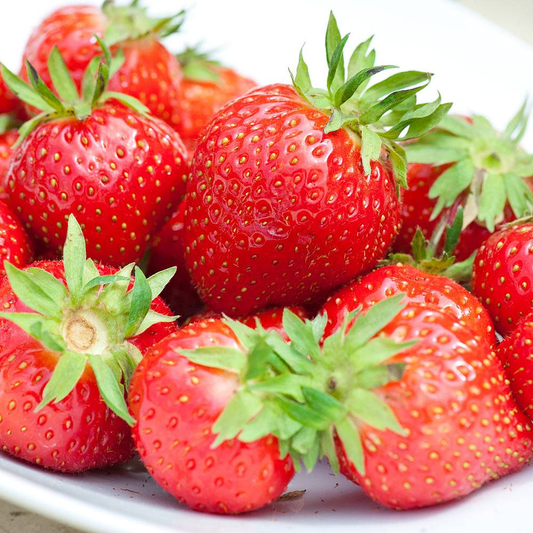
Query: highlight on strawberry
[(96, 153), (294, 176), (71, 334)]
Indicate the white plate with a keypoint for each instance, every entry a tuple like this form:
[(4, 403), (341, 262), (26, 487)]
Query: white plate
[(481, 68)]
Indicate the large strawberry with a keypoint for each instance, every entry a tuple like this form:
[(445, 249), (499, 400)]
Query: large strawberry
[(418, 286), (169, 250), (15, 245), (466, 162), (177, 401), (206, 87), (502, 276), (71, 334), (516, 354), (406, 401), (149, 73), (98, 155), (292, 190)]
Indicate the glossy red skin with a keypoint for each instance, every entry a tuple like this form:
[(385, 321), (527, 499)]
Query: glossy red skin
[(418, 287), (201, 99), (150, 72), (417, 208), (175, 404), (76, 434), (121, 173), (169, 250), (516, 354), (7, 140), (463, 426), (502, 276), (268, 226), (15, 245), (9, 103), (272, 319)]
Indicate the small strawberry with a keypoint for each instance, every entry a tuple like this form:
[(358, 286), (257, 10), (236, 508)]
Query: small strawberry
[(176, 401), (169, 250), (292, 190), (466, 162), (71, 334), (405, 400), (502, 276), (149, 73), (97, 155), (418, 287), (206, 87), (15, 245), (516, 354)]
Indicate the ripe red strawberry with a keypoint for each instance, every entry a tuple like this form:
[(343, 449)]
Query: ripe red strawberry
[(15, 245), (149, 73), (99, 156), (169, 250), (419, 287), (8, 137), (516, 354), (455, 424), (284, 203), (71, 336), (466, 162), (206, 87), (502, 276), (176, 402), (9, 104)]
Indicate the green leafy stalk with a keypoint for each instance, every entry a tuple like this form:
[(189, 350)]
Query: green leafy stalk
[(309, 389), (102, 304), (487, 168), (70, 101), (383, 114)]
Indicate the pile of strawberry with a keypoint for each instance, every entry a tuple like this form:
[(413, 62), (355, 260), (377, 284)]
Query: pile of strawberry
[(336, 263)]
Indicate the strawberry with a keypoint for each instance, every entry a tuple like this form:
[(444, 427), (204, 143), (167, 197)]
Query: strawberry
[(501, 276), (292, 190), (206, 87), (173, 400), (405, 400), (466, 162), (169, 250), (15, 245), (516, 354), (8, 137), (97, 155), (419, 287), (149, 73), (71, 334)]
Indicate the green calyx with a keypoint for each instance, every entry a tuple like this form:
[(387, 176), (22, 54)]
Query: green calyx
[(426, 256), (88, 321), (487, 166), (383, 114), (8, 122), (198, 66), (70, 102), (132, 22), (305, 393)]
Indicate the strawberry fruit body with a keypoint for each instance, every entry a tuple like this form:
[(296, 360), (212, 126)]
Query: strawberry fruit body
[(121, 171), (284, 201), (206, 87), (516, 354), (149, 73), (176, 402), (502, 276), (419, 287), (15, 245), (71, 334)]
